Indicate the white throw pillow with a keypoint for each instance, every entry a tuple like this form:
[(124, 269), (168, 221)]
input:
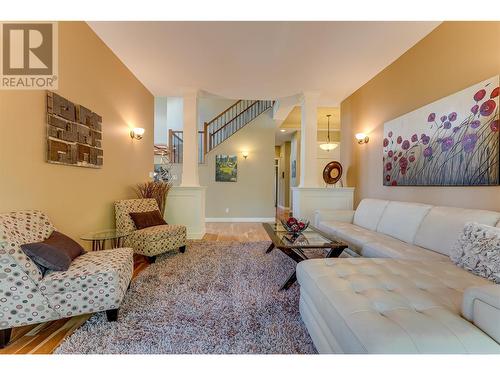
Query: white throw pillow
[(478, 251)]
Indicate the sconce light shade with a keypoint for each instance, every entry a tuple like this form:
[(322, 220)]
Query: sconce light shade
[(245, 154), (136, 133), (362, 138)]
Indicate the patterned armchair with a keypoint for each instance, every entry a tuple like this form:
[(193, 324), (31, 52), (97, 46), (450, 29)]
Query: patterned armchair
[(150, 241), (95, 281)]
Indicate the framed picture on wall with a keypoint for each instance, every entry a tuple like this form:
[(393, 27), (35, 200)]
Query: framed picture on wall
[(226, 168), (453, 141)]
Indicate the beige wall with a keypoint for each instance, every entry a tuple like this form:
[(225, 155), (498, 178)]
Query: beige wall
[(252, 195), (454, 56), (76, 199)]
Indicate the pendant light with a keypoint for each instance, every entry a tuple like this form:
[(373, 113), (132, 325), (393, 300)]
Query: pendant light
[(328, 146)]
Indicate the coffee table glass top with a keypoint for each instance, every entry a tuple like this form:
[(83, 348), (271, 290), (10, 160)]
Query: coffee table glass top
[(311, 237), (105, 234)]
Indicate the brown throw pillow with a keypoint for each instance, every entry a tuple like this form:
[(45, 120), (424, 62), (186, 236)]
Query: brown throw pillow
[(55, 253), (147, 219)]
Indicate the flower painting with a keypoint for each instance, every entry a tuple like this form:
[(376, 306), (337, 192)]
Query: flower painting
[(454, 141)]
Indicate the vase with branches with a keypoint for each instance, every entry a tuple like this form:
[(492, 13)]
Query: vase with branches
[(154, 189)]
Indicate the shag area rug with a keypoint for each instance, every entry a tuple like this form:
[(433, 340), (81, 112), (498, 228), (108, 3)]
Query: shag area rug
[(216, 298)]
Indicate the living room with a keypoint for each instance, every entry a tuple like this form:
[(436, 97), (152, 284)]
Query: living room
[(287, 185)]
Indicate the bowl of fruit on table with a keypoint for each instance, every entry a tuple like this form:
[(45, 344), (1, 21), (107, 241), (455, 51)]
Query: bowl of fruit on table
[(295, 226)]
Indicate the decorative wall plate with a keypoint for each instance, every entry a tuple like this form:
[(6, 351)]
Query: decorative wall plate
[(332, 172)]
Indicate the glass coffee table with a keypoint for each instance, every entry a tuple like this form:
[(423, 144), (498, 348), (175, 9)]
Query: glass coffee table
[(296, 247), (100, 237)]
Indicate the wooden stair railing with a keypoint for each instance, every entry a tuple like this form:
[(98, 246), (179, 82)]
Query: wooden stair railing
[(220, 128), (232, 120), (176, 142)]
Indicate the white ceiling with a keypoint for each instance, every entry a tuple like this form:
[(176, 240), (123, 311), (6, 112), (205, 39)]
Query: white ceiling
[(259, 60)]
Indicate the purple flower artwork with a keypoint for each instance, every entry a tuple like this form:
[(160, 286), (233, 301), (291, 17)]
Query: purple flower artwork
[(454, 141)]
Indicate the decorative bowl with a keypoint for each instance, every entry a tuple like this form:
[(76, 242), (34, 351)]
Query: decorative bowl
[(295, 226)]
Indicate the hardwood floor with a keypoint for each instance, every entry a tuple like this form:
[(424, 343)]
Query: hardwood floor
[(43, 338)]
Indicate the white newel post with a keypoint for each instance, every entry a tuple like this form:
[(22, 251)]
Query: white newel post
[(308, 196), (186, 203), (308, 140)]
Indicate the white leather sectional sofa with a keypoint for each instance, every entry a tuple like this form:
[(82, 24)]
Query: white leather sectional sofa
[(400, 292)]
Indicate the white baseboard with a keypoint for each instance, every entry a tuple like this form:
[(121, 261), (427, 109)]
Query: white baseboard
[(239, 219), (195, 236)]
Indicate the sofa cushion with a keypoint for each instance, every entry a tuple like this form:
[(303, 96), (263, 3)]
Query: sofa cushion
[(394, 306), (331, 226), (393, 248), (441, 227), (402, 219), (369, 212), (356, 237)]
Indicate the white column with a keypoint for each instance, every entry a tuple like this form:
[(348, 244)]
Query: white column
[(186, 203), (308, 140), (190, 140)]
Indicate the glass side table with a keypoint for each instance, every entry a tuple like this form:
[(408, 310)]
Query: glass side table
[(100, 237)]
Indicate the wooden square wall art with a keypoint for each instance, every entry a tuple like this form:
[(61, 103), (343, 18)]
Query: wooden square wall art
[(74, 134), (452, 142)]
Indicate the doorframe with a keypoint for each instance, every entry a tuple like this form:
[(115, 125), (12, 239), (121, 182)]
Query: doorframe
[(276, 181)]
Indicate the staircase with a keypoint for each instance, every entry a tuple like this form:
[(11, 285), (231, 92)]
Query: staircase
[(220, 128)]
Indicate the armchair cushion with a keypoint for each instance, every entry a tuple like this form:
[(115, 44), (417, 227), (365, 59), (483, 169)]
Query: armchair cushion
[(95, 281), (149, 241), (157, 240), (123, 208), (158, 232)]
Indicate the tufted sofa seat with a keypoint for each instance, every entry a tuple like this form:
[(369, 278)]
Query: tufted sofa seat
[(361, 305), (399, 292)]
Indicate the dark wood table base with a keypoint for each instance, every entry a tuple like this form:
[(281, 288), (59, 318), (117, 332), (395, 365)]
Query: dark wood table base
[(298, 255)]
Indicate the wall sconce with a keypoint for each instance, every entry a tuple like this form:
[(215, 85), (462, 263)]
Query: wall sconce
[(244, 154), (362, 138), (136, 133)]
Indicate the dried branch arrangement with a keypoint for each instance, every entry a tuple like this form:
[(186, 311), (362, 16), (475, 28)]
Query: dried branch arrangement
[(154, 189)]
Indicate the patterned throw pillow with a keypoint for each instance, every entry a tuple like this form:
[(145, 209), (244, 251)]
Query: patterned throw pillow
[(478, 251)]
